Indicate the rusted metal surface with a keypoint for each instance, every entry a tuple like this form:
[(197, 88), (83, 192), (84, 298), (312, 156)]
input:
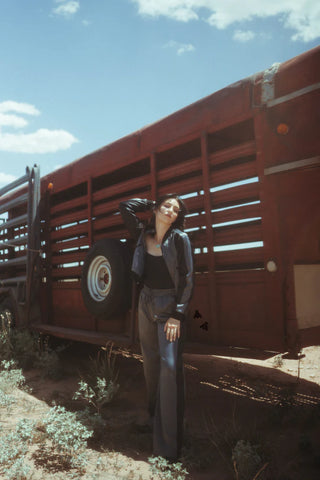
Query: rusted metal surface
[(252, 190)]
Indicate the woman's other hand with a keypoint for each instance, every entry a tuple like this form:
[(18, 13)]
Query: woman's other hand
[(172, 329)]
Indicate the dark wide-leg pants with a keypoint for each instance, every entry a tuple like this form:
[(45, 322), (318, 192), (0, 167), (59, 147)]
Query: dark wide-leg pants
[(163, 371)]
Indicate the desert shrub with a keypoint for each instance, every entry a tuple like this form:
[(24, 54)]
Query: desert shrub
[(67, 435), (161, 469), (99, 385), (278, 361), (97, 394), (13, 450), (29, 350), (10, 376), (246, 460), (49, 362)]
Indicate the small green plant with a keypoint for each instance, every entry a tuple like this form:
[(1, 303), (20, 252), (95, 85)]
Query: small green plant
[(48, 360), (13, 450), (68, 435), (161, 469), (10, 376), (100, 385), (278, 361), (97, 395), (246, 461)]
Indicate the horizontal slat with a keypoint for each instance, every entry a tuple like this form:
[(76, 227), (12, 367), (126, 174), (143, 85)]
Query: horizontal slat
[(75, 243), (112, 206), (66, 272), (233, 174), (237, 213), (199, 239), (71, 257), (123, 234), (231, 258), (70, 232), (13, 242), (22, 219), (12, 262), (126, 186), (200, 260), (107, 222), (69, 205), (183, 187), (14, 203), (13, 280), (196, 221), (195, 203), (15, 183), (237, 234), (243, 150), (245, 276), (179, 169), (69, 218), (106, 208), (239, 257), (235, 195)]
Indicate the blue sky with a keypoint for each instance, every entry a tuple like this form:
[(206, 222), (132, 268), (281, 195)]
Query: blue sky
[(77, 75)]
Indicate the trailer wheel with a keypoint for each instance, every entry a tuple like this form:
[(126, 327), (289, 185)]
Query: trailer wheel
[(105, 281)]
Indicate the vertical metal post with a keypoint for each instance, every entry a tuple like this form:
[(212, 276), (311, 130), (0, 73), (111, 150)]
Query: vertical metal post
[(90, 212), (33, 239), (153, 176), (48, 257), (214, 321), (30, 232)]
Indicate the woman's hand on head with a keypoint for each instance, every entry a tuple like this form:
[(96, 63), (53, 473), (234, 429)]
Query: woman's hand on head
[(172, 329)]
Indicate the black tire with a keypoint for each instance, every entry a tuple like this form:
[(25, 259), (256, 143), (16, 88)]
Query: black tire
[(105, 280)]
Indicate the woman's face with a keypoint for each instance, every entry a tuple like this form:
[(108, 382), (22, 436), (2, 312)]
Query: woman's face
[(168, 211)]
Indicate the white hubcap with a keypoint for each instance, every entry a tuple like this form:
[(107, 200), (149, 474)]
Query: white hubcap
[(99, 278)]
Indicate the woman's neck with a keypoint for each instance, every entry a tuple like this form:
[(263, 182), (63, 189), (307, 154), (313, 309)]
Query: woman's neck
[(161, 230)]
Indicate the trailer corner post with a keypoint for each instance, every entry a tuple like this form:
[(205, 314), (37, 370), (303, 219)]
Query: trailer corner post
[(153, 176), (212, 291)]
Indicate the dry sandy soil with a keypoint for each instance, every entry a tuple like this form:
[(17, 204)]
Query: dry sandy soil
[(231, 395)]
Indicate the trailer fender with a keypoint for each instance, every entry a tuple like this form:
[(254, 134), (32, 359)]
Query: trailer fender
[(105, 280)]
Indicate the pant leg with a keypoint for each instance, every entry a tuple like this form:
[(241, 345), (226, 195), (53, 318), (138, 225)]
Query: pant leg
[(148, 334), (168, 423)]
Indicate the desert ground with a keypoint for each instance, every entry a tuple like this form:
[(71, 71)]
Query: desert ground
[(265, 403)]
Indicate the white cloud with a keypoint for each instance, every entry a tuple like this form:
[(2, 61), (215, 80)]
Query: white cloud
[(10, 106), (301, 16), (40, 141), (12, 121), (243, 36), (180, 48), (67, 7), (6, 178)]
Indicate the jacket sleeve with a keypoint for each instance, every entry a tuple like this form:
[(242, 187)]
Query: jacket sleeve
[(129, 210), (185, 272)]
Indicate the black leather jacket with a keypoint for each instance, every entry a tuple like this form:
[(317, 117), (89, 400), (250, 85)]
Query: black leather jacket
[(176, 251)]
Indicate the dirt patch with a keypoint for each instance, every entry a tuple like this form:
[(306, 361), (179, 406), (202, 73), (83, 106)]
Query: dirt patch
[(235, 399)]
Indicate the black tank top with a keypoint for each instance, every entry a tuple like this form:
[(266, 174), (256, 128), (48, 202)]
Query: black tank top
[(156, 274)]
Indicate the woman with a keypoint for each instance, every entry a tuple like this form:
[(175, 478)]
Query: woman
[(162, 263)]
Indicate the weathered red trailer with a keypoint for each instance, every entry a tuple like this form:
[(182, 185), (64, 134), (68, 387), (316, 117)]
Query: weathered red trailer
[(246, 159)]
